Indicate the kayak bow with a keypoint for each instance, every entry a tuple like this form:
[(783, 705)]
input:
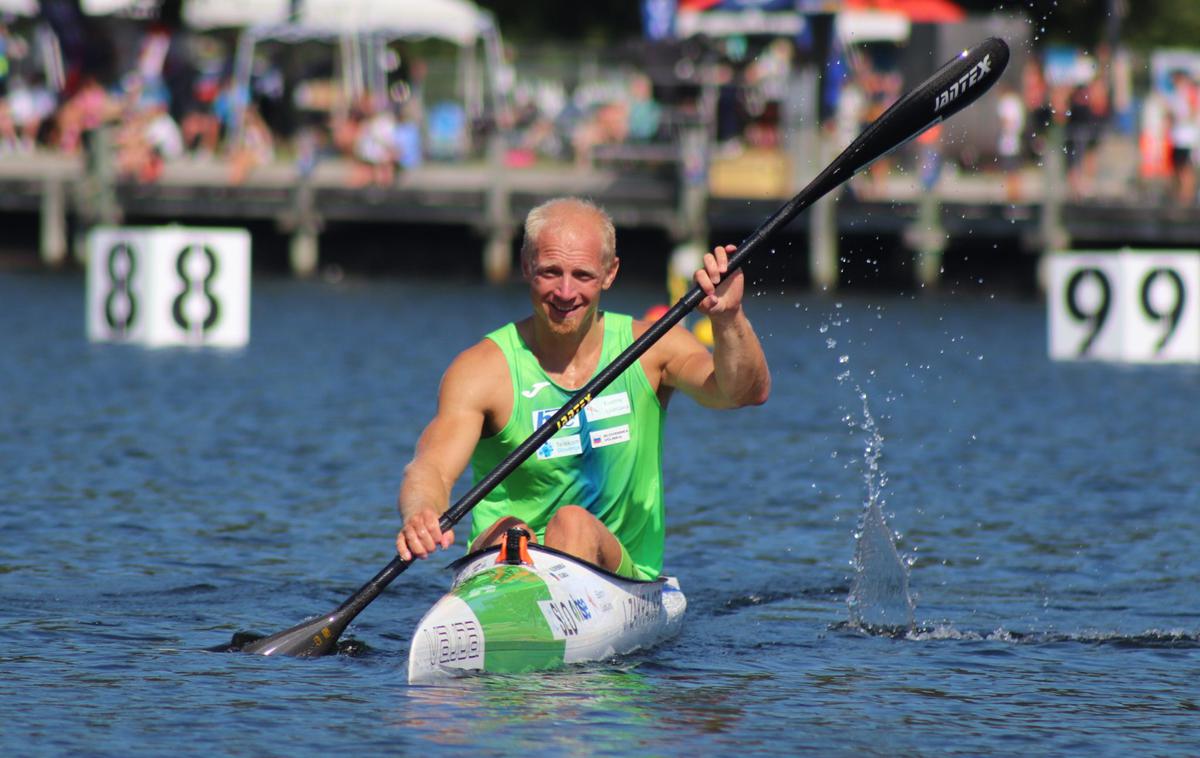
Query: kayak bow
[(552, 609)]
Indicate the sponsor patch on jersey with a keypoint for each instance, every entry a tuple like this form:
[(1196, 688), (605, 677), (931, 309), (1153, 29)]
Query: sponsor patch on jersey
[(557, 447), (542, 416), (613, 436), (608, 406)]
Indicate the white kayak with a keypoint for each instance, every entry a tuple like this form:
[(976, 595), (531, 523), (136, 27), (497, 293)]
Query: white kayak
[(505, 615)]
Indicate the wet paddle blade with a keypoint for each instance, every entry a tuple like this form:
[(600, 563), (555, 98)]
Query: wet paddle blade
[(311, 638)]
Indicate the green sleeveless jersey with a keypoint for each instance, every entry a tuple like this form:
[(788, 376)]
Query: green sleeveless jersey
[(608, 459)]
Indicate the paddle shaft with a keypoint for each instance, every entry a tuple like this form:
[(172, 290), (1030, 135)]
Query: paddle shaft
[(952, 88)]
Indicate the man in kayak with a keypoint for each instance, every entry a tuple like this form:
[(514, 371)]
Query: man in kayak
[(595, 488)]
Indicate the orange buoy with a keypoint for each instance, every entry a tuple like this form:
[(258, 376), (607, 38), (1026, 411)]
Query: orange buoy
[(655, 312)]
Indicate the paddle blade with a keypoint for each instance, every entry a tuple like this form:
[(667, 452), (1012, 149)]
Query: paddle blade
[(963, 80), (319, 636), (311, 638)]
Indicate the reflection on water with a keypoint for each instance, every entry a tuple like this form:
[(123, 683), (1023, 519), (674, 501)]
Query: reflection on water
[(633, 707)]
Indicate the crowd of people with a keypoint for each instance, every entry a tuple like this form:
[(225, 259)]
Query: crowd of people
[(163, 109), (156, 115)]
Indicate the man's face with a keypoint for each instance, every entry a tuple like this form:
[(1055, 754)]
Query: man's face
[(567, 276)]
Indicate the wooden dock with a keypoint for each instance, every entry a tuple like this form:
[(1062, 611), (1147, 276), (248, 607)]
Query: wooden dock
[(491, 200)]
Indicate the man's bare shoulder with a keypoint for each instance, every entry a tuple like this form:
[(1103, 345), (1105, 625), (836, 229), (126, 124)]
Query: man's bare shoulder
[(478, 380), (482, 363)]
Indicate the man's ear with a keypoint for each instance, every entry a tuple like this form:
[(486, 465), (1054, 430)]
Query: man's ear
[(611, 274)]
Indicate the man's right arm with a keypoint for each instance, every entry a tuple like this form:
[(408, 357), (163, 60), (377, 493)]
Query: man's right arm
[(444, 450)]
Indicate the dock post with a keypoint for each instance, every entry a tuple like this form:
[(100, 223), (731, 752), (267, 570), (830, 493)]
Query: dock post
[(101, 206), (691, 210), (822, 245), (304, 253), (807, 152), (927, 239), (1052, 231), (53, 233), (497, 250)]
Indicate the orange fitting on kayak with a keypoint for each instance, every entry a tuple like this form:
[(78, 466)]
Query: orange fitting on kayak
[(515, 548)]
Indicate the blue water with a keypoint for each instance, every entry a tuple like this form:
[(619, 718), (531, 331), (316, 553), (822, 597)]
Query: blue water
[(155, 502)]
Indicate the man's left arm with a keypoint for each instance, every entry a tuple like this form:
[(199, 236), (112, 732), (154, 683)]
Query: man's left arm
[(735, 373)]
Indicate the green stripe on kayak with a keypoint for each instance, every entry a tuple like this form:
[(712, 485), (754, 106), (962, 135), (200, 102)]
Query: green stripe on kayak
[(516, 635)]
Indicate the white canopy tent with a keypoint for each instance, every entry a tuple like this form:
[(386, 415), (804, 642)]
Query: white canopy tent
[(362, 28), (19, 7), (45, 42), (225, 14), (457, 21)]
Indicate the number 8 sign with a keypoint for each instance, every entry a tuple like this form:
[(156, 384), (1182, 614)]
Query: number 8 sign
[(1135, 306), (169, 285)]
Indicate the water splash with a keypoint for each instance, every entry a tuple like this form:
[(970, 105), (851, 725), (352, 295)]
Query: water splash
[(879, 599)]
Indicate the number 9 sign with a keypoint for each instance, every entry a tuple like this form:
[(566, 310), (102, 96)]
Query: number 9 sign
[(1084, 299), (1134, 306), (1162, 309)]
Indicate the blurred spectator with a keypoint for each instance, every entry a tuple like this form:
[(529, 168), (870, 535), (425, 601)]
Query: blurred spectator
[(407, 135), (446, 131), (881, 88), (622, 117), (850, 114), (645, 114), (608, 123), (1035, 94), (201, 124), (1086, 117), (1077, 117), (374, 145), (147, 135), (766, 87), (731, 115), (5, 64), (10, 142), (84, 112), (1011, 112), (254, 148), (565, 120), (33, 106), (1154, 143), (145, 141), (929, 156), (1183, 112)]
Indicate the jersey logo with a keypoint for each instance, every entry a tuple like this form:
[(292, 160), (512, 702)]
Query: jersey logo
[(557, 447), (542, 416), (608, 406), (535, 389), (613, 436)]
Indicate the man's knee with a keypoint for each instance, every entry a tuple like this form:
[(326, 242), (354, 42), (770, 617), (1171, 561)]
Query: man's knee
[(576, 530), (572, 516)]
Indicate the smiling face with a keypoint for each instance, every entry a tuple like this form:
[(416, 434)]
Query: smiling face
[(566, 273)]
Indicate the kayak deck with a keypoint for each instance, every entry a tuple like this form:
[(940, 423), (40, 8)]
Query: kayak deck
[(556, 610)]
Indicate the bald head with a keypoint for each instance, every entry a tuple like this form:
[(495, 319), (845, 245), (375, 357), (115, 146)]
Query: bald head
[(568, 213)]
